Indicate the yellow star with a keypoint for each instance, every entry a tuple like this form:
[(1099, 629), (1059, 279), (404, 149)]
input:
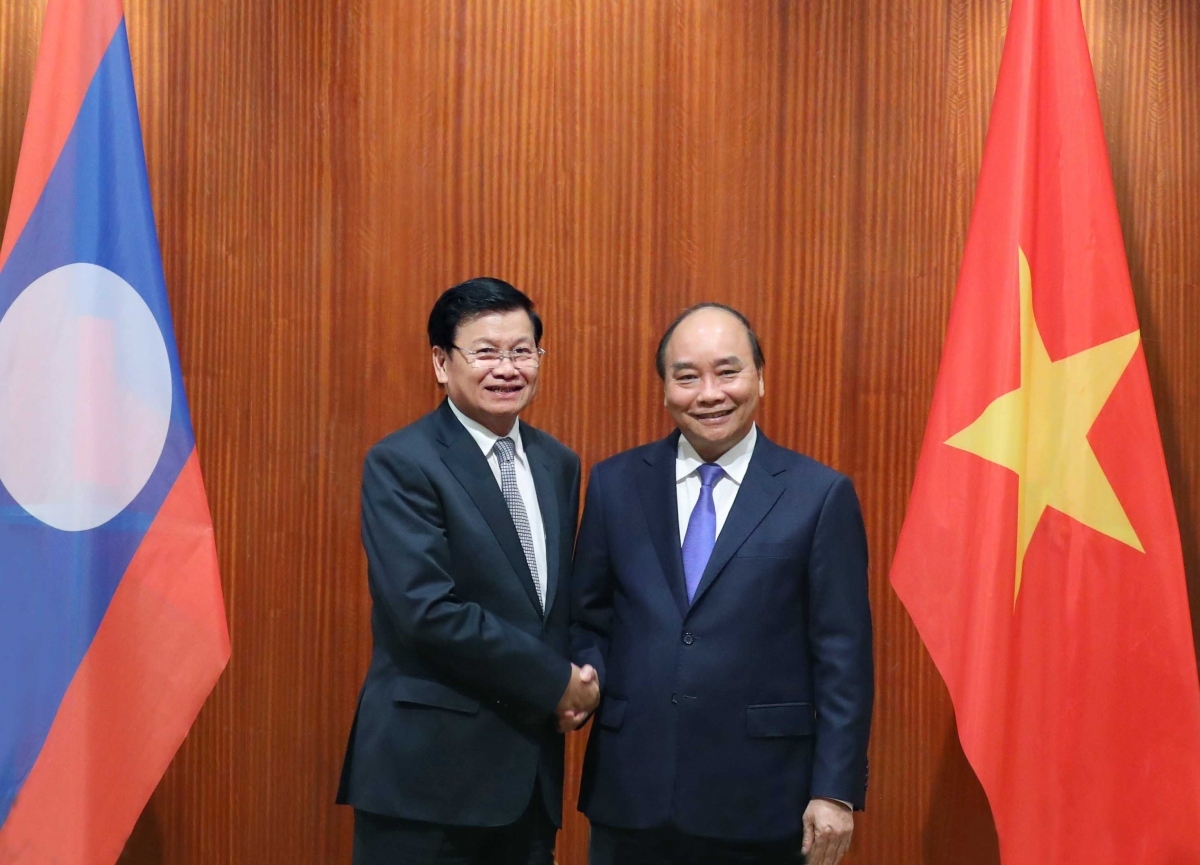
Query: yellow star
[(1040, 432)]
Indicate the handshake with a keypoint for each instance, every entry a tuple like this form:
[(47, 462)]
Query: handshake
[(580, 699)]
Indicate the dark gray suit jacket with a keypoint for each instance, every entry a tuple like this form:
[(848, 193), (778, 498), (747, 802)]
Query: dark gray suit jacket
[(455, 719), (723, 717)]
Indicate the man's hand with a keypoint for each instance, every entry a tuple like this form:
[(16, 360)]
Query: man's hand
[(580, 699), (828, 826)]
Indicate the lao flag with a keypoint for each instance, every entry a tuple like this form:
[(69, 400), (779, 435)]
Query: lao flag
[(112, 624)]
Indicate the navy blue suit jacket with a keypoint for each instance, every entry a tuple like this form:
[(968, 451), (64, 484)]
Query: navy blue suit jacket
[(724, 717), (455, 719)]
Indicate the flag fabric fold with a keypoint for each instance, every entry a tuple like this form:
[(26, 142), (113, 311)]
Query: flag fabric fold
[(112, 622), (1040, 556)]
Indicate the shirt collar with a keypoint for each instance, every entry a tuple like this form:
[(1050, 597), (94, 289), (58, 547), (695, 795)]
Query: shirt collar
[(484, 437), (734, 461)]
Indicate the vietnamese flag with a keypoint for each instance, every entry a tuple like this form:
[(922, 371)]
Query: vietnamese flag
[(112, 624), (1040, 557)]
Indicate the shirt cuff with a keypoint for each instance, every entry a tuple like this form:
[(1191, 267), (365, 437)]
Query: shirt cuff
[(841, 802)]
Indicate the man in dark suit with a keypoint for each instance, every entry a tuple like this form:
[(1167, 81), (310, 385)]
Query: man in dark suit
[(720, 591), (468, 519)]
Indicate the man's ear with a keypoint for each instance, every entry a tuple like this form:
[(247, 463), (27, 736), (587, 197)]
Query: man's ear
[(440, 359), (762, 387)]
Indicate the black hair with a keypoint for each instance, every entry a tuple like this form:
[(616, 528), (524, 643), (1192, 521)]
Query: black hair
[(474, 298), (660, 357)]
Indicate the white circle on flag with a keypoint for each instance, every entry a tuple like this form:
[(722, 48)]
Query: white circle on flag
[(85, 396)]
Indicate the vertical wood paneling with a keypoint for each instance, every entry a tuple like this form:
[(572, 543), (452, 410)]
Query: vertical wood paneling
[(322, 171), (20, 27), (914, 179)]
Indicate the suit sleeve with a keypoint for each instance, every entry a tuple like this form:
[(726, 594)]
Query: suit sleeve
[(591, 585), (404, 534), (840, 643)]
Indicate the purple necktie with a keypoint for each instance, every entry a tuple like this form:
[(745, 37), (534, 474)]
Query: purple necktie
[(701, 530)]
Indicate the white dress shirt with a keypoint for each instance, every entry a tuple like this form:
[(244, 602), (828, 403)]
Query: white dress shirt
[(486, 439), (734, 461)]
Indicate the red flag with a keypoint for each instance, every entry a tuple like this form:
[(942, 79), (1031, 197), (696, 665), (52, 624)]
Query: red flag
[(1040, 557), (112, 625)]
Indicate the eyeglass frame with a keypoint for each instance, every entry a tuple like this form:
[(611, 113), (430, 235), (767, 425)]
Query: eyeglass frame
[(503, 354)]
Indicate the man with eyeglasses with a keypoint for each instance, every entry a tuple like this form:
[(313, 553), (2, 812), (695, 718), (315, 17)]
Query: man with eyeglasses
[(468, 522)]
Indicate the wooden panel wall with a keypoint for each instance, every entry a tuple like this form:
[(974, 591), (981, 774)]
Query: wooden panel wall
[(322, 170)]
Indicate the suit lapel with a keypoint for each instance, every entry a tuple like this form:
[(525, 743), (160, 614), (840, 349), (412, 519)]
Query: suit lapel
[(467, 463), (657, 492), (759, 491), (543, 482)]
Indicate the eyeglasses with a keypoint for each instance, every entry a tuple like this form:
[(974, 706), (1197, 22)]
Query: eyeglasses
[(490, 358)]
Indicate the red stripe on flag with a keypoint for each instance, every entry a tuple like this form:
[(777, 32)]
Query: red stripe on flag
[(75, 35), (156, 656)]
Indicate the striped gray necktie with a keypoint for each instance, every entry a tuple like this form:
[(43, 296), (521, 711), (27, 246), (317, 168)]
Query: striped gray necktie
[(507, 452)]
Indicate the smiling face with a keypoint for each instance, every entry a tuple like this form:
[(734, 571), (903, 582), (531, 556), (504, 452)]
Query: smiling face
[(711, 386), (492, 397)]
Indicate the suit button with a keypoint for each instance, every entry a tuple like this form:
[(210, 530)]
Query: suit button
[(675, 699), (688, 639)]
